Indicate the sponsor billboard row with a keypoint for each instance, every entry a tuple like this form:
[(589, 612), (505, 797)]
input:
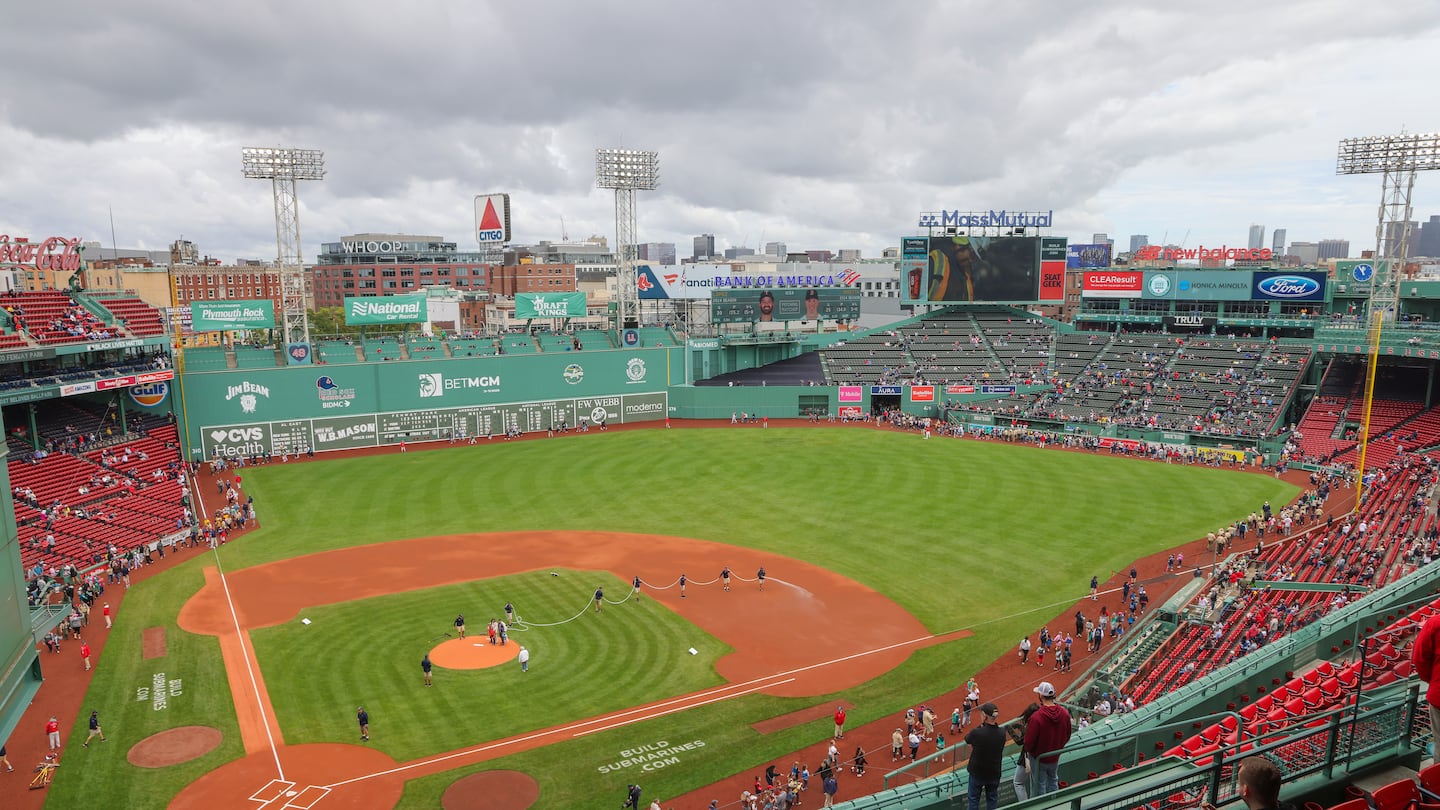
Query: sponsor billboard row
[(1205, 285), (696, 281)]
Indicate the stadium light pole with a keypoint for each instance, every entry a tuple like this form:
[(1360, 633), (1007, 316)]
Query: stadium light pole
[(1398, 158), (626, 171), (282, 167)]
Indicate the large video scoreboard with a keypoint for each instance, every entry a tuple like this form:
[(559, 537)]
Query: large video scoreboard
[(997, 269)]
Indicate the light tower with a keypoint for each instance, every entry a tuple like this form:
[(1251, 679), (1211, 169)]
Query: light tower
[(283, 167), (626, 171), (1399, 158)]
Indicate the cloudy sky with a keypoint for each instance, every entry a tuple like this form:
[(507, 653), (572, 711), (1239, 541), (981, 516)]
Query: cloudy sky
[(820, 124)]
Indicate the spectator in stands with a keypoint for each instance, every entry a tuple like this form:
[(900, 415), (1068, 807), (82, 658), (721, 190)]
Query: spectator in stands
[(1259, 785), (987, 750), (1047, 733), (1424, 656)]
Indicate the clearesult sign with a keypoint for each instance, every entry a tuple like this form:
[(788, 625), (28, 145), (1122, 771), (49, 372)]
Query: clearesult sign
[(228, 316), (385, 309), (529, 306)]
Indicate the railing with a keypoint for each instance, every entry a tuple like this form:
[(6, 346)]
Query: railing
[(1386, 723)]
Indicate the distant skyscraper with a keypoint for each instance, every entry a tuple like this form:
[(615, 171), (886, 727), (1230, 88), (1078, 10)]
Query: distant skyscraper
[(894, 252), (775, 249), (1333, 248), (1137, 241), (819, 255), (1277, 242), (737, 252), (1100, 239), (849, 255), (1308, 252), (658, 252), (1257, 236), (705, 246), (1428, 242)]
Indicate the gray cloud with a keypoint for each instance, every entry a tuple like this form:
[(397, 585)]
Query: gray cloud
[(822, 124)]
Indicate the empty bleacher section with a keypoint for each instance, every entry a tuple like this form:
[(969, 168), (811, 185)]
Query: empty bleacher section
[(255, 357), (656, 336), (337, 351), (473, 347), (1330, 431), (594, 339), (208, 358), (419, 347), (517, 344), (383, 349), (133, 315), (872, 359)]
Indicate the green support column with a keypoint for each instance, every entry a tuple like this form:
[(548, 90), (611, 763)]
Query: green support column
[(34, 428), (124, 427)]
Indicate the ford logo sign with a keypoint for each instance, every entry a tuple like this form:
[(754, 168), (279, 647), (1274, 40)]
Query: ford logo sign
[(1289, 286)]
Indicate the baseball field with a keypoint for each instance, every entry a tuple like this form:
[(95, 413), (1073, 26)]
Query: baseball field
[(896, 567)]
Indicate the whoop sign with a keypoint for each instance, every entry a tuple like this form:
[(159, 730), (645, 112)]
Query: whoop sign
[(386, 309)]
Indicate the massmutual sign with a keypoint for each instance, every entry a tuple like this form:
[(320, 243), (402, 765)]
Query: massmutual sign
[(385, 309)]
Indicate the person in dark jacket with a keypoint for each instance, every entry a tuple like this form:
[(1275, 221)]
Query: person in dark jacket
[(987, 749)]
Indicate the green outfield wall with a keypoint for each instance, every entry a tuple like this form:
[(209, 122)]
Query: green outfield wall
[(292, 409)]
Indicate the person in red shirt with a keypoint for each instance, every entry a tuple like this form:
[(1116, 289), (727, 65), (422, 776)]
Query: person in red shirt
[(85, 654), (839, 722), (108, 616), (1423, 655), (52, 733)]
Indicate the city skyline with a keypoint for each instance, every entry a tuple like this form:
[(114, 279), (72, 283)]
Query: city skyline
[(1146, 135)]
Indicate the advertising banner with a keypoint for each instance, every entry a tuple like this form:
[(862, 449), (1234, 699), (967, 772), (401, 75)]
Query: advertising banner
[(851, 412), (885, 390), (229, 316), (1291, 286), (696, 281), (371, 430), (1088, 256), (1001, 269), (385, 309), (1052, 281), (1198, 285), (851, 393), (1112, 284), (997, 389), (922, 393), (1187, 323), (814, 304), (959, 389), (549, 305)]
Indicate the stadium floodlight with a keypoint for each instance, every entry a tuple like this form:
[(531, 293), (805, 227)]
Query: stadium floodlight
[(282, 167), (626, 171), (1399, 158)]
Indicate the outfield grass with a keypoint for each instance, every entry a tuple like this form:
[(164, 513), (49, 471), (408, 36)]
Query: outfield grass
[(963, 534)]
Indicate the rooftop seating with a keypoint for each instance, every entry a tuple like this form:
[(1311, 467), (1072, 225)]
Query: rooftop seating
[(135, 316)]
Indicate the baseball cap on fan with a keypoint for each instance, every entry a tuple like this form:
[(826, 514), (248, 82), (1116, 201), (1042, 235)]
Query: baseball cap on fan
[(1045, 689)]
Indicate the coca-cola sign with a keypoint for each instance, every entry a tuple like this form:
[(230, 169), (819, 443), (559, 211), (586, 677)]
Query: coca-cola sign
[(55, 253)]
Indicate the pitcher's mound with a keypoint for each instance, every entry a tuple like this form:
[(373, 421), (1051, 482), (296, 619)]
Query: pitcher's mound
[(174, 746), (472, 653), (491, 790)]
